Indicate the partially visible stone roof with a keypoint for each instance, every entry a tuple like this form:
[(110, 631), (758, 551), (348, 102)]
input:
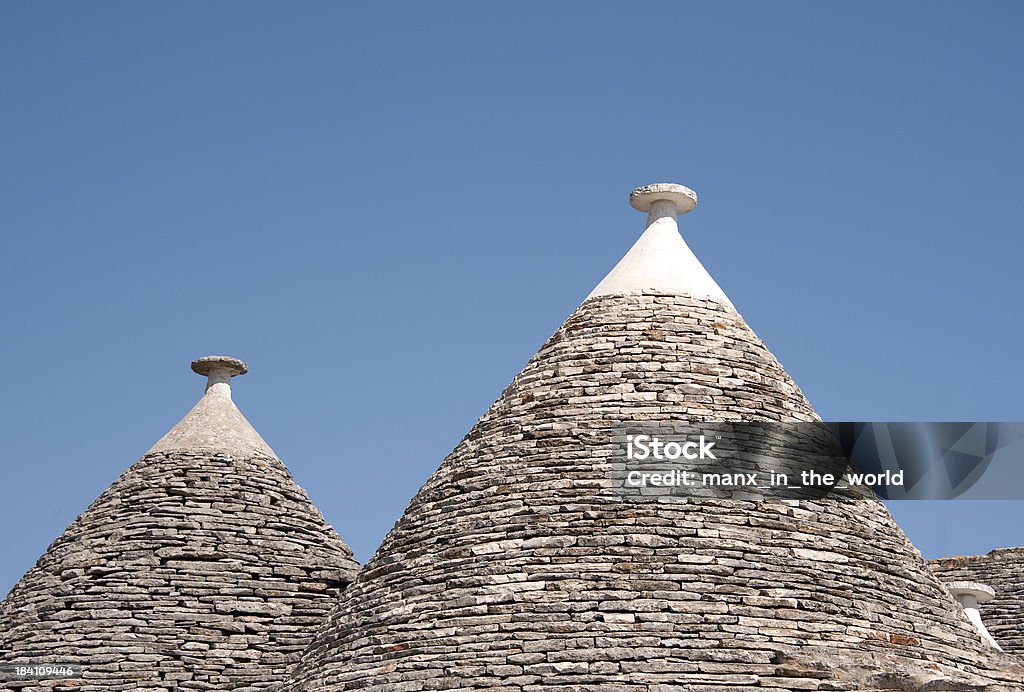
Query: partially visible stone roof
[(203, 566), (1003, 571), (512, 570)]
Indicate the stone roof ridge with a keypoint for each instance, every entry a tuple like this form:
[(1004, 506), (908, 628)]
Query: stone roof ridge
[(1010, 549), (992, 553), (215, 425), (661, 261)]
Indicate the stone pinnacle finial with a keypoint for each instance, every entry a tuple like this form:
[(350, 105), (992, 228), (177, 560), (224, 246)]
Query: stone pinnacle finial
[(663, 199), (969, 594), (219, 370), (660, 261)]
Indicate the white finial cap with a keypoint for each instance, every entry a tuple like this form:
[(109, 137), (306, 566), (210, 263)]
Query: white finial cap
[(683, 198), (208, 364), (981, 593), (970, 594)]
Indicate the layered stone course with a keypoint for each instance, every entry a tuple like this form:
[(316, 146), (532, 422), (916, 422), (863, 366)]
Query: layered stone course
[(194, 571), (513, 570), (1003, 570)]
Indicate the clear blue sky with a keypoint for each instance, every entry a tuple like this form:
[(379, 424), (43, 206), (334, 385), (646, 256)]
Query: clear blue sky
[(386, 208)]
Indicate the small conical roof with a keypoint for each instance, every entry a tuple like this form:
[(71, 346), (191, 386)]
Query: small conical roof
[(513, 569), (1002, 570), (203, 566)]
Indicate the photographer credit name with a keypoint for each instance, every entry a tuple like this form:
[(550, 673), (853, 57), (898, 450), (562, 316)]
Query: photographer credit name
[(650, 447)]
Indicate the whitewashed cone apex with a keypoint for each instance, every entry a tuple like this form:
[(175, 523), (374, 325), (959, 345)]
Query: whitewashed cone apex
[(661, 261)]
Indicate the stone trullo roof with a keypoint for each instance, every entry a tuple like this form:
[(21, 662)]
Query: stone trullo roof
[(1003, 571), (511, 571), (203, 566)]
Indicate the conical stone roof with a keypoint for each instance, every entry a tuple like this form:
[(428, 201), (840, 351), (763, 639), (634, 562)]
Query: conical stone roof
[(1003, 571), (510, 570), (203, 566)]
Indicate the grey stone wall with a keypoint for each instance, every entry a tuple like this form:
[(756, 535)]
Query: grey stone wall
[(193, 571), (1003, 570), (511, 571)]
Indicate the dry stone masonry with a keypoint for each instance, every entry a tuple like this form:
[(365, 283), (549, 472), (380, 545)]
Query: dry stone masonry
[(516, 568), (512, 570), (203, 567)]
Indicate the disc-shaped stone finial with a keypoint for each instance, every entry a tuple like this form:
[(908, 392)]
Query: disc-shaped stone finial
[(208, 364), (982, 593), (643, 198)]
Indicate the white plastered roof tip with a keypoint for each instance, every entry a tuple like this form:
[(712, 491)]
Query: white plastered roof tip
[(661, 261), (215, 425)]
